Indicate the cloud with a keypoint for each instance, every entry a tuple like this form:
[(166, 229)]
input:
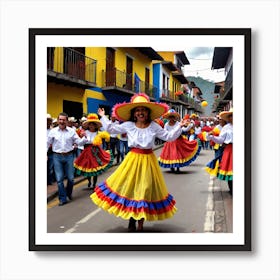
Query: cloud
[(200, 53), (200, 64)]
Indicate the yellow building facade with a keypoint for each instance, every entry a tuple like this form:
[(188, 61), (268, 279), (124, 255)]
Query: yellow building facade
[(82, 79)]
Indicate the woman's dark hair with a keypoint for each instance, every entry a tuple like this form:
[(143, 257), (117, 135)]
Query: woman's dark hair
[(96, 128), (132, 119)]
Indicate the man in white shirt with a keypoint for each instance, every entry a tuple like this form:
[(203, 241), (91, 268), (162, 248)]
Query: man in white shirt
[(62, 138), (50, 170)]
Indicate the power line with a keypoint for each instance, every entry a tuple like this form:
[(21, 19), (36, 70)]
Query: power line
[(206, 69), (198, 70), (199, 58)]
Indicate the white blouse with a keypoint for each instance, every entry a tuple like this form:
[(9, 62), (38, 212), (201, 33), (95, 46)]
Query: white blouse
[(225, 136), (90, 136), (142, 138), (169, 127)]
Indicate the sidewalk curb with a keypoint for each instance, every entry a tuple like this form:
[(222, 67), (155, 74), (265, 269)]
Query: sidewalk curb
[(78, 180)]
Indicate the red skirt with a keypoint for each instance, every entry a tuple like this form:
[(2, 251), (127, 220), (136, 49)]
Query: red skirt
[(93, 161), (179, 153), (225, 169)]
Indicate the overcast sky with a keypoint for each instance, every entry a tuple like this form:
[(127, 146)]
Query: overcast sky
[(200, 59)]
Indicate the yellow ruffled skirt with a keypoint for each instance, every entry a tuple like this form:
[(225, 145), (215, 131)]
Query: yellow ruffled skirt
[(136, 189)]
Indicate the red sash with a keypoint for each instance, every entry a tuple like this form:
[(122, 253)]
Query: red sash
[(141, 151)]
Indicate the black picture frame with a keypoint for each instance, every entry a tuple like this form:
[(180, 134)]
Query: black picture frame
[(35, 33)]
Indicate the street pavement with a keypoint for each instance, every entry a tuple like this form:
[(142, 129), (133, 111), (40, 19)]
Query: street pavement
[(218, 212)]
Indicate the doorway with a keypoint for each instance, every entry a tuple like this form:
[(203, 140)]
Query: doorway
[(73, 109)]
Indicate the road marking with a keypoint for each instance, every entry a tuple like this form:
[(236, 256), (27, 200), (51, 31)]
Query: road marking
[(83, 220), (53, 203), (209, 223)]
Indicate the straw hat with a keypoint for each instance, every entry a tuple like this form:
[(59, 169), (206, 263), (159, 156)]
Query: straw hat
[(72, 119), (93, 118), (49, 116), (123, 110), (172, 113), (193, 116), (224, 115), (83, 119)]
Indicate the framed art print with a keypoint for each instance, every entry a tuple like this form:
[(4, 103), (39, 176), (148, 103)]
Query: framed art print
[(199, 74)]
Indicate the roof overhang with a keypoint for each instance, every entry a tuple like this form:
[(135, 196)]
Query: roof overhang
[(180, 77), (197, 90), (150, 53), (182, 56), (220, 57), (169, 65)]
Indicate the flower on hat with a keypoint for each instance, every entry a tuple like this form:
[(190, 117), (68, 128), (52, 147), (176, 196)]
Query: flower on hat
[(171, 113), (92, 117)]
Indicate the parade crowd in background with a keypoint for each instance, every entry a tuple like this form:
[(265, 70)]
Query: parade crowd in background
[(126, 138)]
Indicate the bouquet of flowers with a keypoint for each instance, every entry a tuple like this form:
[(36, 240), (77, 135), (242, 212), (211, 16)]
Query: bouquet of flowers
[(97, 141)]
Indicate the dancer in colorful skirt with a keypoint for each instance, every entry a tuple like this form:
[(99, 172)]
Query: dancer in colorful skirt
[(225, 167), (212, 167), (180, 152), (93, 160), (136, 191)]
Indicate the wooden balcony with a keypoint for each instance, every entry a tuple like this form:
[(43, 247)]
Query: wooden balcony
[(190, 102), (126, 83), (226, 94), (67, 66), (168, 95)]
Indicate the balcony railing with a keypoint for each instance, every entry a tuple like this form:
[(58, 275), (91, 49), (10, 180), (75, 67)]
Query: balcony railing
[(126, 82), (225, 95), (168, 94), (190, 102), (228, 84), (73, 65)]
